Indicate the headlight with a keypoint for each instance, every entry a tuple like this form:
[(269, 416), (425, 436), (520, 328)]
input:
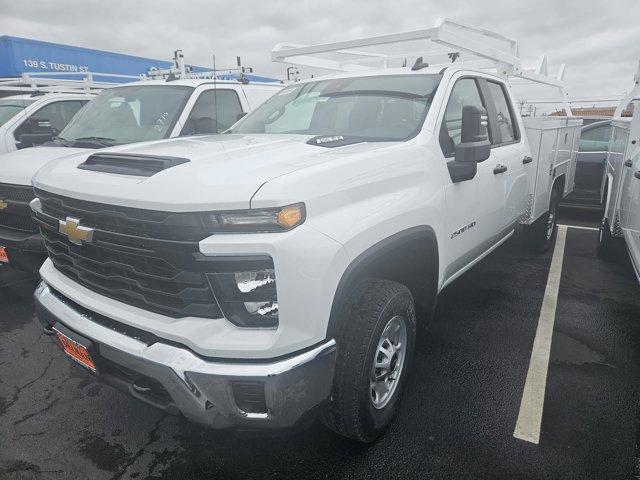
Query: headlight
[(245, 288), (258, 220)]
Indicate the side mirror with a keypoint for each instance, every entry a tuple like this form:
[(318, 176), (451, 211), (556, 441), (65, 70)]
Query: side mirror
[(474, 146)]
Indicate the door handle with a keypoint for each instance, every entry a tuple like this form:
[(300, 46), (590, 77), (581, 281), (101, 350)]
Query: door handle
[(628, 163), (527, 159), (637, 174), (499, 169)]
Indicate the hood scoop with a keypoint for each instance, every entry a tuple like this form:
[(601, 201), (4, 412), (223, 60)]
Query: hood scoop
[(130, 164)]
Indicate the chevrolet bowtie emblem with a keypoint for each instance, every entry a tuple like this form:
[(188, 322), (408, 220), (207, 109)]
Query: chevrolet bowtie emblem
[(76, 234), (3, 204)]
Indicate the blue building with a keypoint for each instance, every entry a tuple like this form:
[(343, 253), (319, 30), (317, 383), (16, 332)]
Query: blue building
[(23, 55)]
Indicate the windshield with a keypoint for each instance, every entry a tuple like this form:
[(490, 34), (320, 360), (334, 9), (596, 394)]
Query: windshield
[(380, 108), (127, 114), (9, 108)]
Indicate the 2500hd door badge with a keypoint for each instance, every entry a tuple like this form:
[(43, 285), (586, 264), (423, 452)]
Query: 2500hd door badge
[(462, 230)]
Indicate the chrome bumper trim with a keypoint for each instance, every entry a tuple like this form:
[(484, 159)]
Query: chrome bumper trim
[(201, 389)]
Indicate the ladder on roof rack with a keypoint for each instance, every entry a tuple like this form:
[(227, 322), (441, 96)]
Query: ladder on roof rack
[(40, 82), (473, 47)]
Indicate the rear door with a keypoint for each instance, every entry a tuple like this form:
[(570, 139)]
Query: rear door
[(508, 149), (474, 208)]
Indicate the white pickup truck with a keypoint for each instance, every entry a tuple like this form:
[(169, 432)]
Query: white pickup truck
[(132, 112), (260, 278), (621, 219)]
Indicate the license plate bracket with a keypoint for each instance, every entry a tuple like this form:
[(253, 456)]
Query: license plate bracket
[(78, 348)]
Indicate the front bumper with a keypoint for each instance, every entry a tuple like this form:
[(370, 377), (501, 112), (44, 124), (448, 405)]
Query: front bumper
[(218, 394), (26, 250), (26, 242)]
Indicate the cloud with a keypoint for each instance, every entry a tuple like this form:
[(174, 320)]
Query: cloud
[(597, 40)]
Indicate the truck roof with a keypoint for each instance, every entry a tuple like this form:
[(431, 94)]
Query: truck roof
[(37, 96), (435, 70), (195, 82)]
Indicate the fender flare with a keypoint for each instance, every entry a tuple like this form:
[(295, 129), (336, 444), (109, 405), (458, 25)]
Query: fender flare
[(358, 266)]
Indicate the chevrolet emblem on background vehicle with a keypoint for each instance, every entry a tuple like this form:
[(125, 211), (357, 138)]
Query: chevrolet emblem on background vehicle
[(76, 234), (3, 204)]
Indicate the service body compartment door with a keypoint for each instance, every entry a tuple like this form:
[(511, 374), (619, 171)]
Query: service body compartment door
[(554, 144), (543, 179)]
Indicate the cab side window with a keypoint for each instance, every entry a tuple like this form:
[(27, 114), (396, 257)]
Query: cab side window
[(213, 112), (58, 113), (465, 92), (506, 124)]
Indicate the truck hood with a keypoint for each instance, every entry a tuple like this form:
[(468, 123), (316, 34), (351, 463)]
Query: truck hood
[(223, 171), (19, 167)]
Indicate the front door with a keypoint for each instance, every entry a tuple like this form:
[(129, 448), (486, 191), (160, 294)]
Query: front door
[(474, 208)]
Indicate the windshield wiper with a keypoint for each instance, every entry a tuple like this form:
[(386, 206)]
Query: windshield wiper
[(101, 141), (57, 142)]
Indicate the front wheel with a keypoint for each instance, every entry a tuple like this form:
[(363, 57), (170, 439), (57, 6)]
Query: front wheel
[(375, 349)]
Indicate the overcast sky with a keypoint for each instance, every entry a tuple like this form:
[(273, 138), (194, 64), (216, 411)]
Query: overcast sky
[(598, 39)]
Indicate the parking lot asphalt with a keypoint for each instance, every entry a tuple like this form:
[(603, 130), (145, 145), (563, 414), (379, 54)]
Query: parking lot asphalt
[(457, 418)]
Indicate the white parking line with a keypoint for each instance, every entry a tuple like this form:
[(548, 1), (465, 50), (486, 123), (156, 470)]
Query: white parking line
[(579, 227), (530, 416)]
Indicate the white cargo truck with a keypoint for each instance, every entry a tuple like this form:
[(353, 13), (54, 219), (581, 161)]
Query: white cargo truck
[(621, 219), (281, 271), (175, 104)]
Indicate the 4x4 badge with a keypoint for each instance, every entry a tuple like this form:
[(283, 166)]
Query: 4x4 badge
[(74, 232)]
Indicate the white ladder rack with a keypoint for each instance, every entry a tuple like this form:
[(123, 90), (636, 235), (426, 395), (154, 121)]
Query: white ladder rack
[(448, 43), (39, 82)]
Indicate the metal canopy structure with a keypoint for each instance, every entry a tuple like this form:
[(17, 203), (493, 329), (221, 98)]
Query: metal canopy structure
[(632, 96), (447, 44)]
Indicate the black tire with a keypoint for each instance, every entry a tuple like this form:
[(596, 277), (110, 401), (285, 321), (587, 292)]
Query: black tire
[(606, 242), (541, 235), (371, 306)]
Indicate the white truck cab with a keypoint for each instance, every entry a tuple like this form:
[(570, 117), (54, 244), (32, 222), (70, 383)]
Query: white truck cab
[(133, 112), (621, 218), (261, 277)]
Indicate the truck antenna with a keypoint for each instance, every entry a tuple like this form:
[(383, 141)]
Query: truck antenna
[(215, 94)]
